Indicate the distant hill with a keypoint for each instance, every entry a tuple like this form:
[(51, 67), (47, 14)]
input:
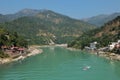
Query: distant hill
[(100, 20), (110, 32), (46, 26), (111, 28), (3, 18), (22, 13)]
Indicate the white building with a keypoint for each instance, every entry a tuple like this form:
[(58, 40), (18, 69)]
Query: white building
[(112, 46), (93, 45), (118, 41)]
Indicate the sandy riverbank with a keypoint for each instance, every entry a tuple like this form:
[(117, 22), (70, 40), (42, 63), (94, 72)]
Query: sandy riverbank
[(33, 50), (73, 49), (59, 45)]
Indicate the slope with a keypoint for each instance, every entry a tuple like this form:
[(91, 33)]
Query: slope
[(100, 20), (110, 32), (46, 26)]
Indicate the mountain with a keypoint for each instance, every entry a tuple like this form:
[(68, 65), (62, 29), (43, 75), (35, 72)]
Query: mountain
[(22, 13), (3, 18), (27, 12), (96, 20), (111, 28), (110, 32), (100, 20), (46, 26)]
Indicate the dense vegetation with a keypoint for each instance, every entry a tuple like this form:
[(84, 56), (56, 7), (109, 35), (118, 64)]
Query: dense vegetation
[(108, 33), (10, 39), (47, 26)]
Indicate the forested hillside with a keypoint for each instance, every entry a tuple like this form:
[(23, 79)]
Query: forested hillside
[(108, 33), (47, 26), (8, 39)]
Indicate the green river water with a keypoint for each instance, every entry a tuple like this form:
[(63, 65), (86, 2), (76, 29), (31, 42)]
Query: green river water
[(57, 63)]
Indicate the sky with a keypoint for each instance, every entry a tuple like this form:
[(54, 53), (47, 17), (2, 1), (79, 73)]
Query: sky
[(74, 8)]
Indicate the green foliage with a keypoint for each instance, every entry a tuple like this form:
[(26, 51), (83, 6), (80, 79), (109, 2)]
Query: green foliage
[(104, 40), (3, 55), (40, 29), (81, 42), (10, 39)]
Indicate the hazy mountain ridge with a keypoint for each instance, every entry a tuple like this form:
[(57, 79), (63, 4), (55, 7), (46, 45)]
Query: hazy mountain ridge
[(100, 20), (3, 18), (22, 13), (110, 28)]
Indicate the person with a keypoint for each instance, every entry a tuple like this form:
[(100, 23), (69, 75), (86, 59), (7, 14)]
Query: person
[(86, 68)]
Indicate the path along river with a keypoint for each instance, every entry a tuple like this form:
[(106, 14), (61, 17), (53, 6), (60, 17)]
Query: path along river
[(58, 63)]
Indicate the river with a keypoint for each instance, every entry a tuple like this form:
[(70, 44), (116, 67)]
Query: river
[(58, 63)]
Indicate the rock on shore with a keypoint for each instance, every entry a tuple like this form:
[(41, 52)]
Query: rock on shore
[(109, 55)]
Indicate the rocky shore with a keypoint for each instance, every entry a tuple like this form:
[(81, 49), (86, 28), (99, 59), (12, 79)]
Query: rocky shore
[(33, 50), (108, 55)]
